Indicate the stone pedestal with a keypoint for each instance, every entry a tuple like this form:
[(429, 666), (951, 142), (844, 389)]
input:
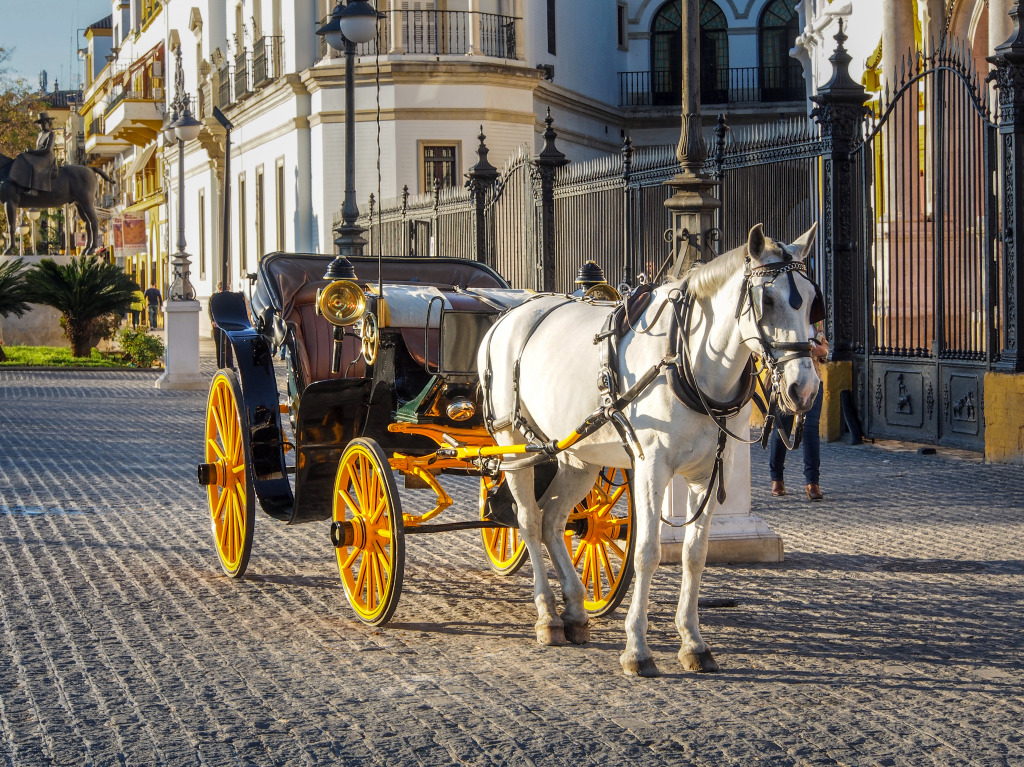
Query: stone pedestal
[(181, 322), (736, 534)]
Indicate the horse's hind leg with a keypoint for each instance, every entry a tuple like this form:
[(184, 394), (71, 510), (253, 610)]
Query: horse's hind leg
[(694, 653), (12, 216), (570, 485), (549, 625)]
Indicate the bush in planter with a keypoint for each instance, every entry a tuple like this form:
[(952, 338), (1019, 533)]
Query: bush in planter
[(140, 348)]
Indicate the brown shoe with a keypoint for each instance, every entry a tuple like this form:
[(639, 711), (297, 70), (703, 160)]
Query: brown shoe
[(814, 493), (778, 487)]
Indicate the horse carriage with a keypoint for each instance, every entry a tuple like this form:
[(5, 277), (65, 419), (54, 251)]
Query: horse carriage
[(439, 367), (382, 380)]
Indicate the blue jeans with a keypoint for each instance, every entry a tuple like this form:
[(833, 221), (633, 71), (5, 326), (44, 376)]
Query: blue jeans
[(811, 444), (153, 308)]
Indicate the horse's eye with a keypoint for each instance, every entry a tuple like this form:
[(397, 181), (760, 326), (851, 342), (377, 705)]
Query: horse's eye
[(768, 300)]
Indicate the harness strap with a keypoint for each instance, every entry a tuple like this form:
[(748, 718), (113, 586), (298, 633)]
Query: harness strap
[(717, 476)]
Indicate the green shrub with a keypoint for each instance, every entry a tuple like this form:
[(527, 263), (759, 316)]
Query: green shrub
[(55, 356), (140, 348)]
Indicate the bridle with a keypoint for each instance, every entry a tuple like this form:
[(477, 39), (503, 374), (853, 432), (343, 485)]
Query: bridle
[(775, 354)]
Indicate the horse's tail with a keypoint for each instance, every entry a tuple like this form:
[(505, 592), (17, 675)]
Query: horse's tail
[(102, 175)]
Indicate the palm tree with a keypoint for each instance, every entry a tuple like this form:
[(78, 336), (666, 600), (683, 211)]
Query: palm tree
[(13, 295), (83, 290)]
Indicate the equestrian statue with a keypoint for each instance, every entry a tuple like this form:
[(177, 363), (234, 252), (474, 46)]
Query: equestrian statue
[(33, 180)]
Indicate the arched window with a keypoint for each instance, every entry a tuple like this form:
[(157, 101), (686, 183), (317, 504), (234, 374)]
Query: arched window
[(667, 54), (781, 76)]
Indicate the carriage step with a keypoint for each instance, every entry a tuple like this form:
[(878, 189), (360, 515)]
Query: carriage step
[(446, 527)]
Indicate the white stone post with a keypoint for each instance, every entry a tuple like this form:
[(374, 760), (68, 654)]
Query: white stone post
[(736, 534)]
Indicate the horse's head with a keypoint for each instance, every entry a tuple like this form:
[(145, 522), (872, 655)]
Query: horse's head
[(781, 304)]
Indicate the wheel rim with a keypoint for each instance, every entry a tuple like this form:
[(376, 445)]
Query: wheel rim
[(230, 498), (602, 552), (371, 566), (506, 551)]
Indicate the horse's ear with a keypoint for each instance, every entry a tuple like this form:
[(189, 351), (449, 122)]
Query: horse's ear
[(755, 241), (802, 246)]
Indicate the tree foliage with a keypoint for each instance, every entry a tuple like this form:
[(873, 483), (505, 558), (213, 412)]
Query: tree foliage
[(13, 291), (82, 290)]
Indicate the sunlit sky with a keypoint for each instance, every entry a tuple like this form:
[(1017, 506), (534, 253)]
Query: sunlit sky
[(44, 34)]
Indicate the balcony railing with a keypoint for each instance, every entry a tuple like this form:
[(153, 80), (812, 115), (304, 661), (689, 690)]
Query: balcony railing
[(444, 33), (267, 60), (736, 85), (241, 75), (95, 127), (224, 85)]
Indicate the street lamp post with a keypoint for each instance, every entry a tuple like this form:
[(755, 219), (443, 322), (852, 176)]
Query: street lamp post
[(181, 310), (348, 26)]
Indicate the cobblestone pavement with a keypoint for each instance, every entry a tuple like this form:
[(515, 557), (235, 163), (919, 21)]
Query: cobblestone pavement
[(891, 635)]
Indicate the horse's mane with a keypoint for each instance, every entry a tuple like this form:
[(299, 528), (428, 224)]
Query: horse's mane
[(704, 280)]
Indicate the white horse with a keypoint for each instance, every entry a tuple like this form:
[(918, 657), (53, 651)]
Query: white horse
[(752, 300)]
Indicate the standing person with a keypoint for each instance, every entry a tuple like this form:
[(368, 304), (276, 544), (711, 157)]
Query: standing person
[(138, 302), (155, 301), (810, 444)]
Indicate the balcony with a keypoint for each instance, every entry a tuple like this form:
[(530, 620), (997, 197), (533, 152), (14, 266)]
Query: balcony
[(267, 60), (736, 85), (242, 88), (135, 116), (442, 33), (97, 142)]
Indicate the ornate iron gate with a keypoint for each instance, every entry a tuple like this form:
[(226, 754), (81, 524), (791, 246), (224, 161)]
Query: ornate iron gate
[(929, 261)]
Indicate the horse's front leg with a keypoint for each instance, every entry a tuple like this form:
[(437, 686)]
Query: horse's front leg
[(649, 485), (530, 516), (693, 652), (570, 485)]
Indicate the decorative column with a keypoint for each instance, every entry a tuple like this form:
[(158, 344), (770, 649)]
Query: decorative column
[(840, 111), (479, 179), (545, 165), (694, 201), (1004, 387), (181, 310), (736, 535)]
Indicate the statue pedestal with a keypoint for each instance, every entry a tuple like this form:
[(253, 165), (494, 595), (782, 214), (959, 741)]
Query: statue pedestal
[(181, 321), (736, 534)]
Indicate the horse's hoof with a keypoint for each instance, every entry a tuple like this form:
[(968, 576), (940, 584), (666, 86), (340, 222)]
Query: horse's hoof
[(550, 636), (701, 662), (577, 634), (633, 667)]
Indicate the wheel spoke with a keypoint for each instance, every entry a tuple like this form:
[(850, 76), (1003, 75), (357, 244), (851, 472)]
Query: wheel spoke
[(350, 559), (606, 565), (352, 507), (357, 590)]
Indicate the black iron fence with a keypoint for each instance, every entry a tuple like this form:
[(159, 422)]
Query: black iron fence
[(224, 99)]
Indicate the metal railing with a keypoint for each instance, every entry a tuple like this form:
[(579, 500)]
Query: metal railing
[(127, 95), (242, 88), (267, 60), (224, 85), (443, 33), (95, 127), (735, 85)]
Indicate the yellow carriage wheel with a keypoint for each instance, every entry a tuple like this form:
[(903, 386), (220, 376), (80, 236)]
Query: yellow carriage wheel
[(506, 551), (371, 545), (600, 537), (231, 497)]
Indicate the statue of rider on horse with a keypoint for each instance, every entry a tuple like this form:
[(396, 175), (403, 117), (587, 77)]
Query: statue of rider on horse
[(35, 169), (34, 180)]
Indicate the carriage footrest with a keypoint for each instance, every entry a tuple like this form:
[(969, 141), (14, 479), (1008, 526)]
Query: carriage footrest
[(447, 527)]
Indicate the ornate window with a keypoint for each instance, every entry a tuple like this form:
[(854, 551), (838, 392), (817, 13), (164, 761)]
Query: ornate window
[(781, 76), (667, 54)]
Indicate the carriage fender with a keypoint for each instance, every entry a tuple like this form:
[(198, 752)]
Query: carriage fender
[(261, 404)]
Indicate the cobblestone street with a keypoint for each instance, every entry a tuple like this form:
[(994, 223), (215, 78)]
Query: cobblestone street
[(891, 634)]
